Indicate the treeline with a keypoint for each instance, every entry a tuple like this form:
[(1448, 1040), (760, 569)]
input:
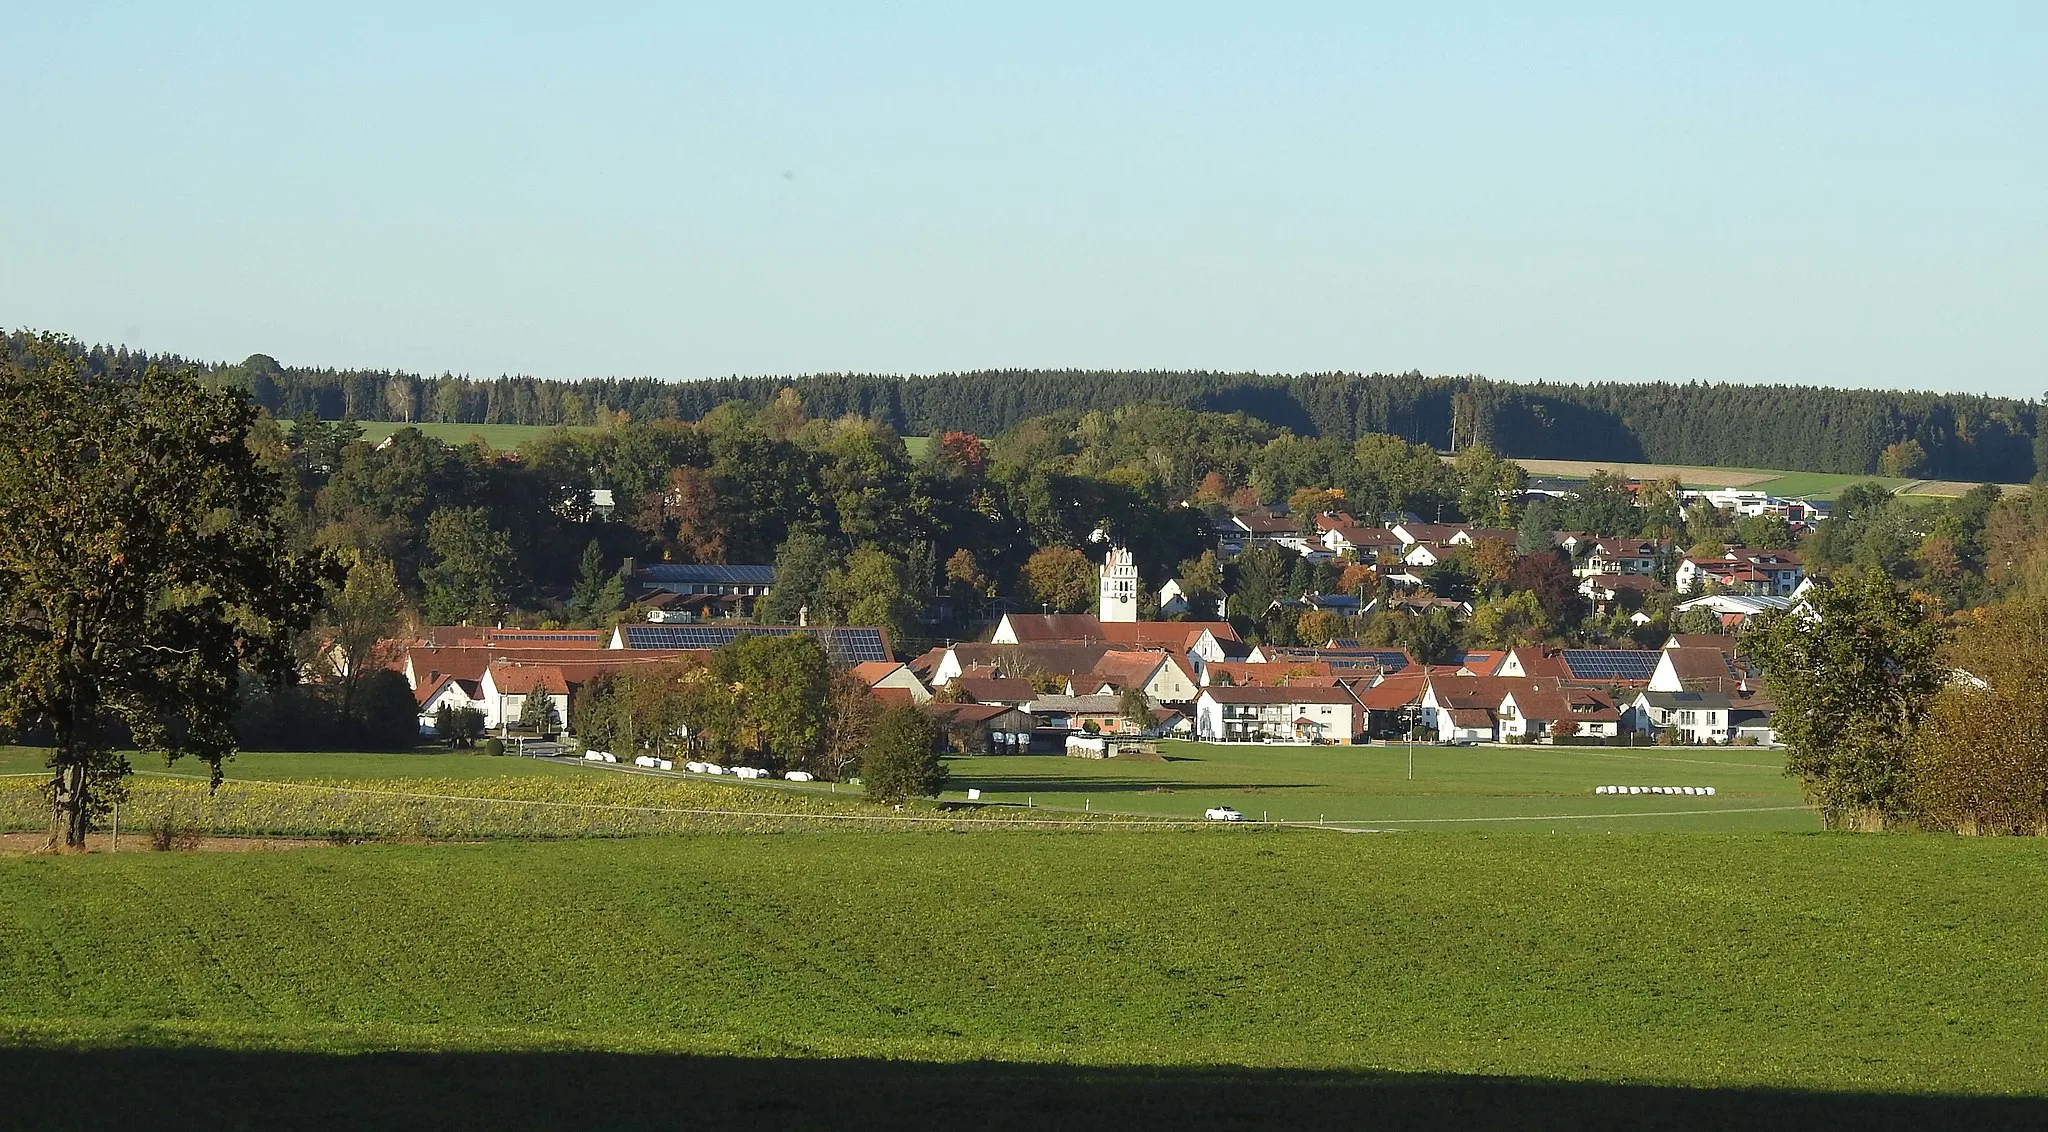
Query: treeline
[(1958, 436)]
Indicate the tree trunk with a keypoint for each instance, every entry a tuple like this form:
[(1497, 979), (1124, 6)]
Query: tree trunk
[(68, 807)]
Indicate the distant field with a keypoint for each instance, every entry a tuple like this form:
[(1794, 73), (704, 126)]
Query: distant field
[(503, 437), (1504, 788), (1295, 979), (1797, 485)]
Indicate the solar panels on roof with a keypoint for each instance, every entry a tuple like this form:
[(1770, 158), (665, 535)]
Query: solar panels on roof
[(690, 572), (844, 644), (1611, 664)]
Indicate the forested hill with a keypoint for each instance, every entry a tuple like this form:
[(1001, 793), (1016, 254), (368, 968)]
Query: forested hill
[(1808, 428)]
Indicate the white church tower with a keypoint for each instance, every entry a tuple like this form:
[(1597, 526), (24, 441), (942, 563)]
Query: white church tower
[(1119, 586)]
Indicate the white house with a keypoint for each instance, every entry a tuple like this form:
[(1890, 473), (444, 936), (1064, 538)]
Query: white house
[(888, 674), (1699, 717), (1264, 714), (1173, 601), (506, 686), (448, 692), (1747, 571)]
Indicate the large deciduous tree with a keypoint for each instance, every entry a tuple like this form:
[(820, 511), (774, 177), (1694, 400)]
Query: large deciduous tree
[(1852, 672), (146, 561)]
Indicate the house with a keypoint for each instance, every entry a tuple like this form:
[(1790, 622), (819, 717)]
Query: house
[(1363, 544), (1735, 610), (1685, 669), (1256, 527), (888, 675), (446, 692), (1339, 658), (1162, 677), (1699, 717), (983, 729), (1078, 713), (1173, 601), (1262, 674), (1035, 628), (1603, 590), (506, 686), (1550, 709), (1423, 555), (1270, 714), (733, 590), (974, 687), (1623, 556), (1769, 572), (844, 644), (1416, 534), (1393, 706), (1057, 660)]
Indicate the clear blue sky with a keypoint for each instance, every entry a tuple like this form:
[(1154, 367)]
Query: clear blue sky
[(1850, 193)]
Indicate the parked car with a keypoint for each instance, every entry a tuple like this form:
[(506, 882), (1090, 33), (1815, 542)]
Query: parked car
[(1222, 813)]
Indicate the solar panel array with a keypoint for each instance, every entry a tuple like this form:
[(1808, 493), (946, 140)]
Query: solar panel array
[(566, 635), (844, 644), (1611, 664), (694, 572)]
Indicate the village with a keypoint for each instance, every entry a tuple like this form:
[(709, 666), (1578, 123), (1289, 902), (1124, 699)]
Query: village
[(1094, 685)]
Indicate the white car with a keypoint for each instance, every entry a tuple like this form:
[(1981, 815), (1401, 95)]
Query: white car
[(1222, 813)]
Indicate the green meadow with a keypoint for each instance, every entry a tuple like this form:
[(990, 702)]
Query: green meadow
[(1506, 788), (1266, 977)]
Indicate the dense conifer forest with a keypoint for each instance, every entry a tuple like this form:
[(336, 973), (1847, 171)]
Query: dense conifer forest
[(1795, 427)]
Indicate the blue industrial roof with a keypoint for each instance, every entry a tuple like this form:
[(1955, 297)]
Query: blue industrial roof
[(846, 644), (690, 572)]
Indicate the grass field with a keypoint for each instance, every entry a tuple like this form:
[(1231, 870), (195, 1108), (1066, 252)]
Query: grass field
[(1506, 788), (503, 437), (1791, 485), (1283, 978)]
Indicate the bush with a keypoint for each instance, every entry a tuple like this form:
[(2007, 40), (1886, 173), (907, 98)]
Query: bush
[(902, 759), (494, 746)]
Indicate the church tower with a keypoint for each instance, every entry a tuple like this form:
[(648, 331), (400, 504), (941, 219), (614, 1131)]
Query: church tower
[(1119, 586)]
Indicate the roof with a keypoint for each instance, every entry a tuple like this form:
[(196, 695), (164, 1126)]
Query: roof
[(1698, 701), (549, 638), (1244, 673), (1534, 661), (1267, 524), (1627, 548), (986, 689), (1058, 659), (1618, 582), (513, 679), (425, 693), (1082, 705), (1282, 695), (1470, 717), (969, 713), (894, 697), (872, 672), (1721, 641), (1393, 693), (1392, 660), (692, 572), (847, 644), (1029, 627), (1177, 635), (1430, 532), (1702, 664), (1625, 665), (1366, 536)]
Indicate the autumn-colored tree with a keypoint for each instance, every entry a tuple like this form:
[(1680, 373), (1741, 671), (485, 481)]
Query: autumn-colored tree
[(964, 578), (1492, 559), (1358, 580), (1212, 489), (1318, 627), (961, 452), (683, 517), (1060, 577)]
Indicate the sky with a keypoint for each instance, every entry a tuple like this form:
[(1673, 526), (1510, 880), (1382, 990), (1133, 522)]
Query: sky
[(1846, 194)]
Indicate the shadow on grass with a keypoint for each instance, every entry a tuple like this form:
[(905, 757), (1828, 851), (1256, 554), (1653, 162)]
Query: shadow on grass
[(191, 1088)]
